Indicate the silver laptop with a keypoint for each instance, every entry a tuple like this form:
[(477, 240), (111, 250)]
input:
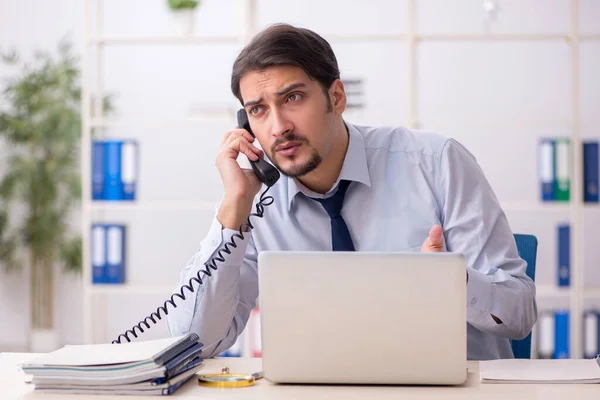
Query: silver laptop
[(363, 317)]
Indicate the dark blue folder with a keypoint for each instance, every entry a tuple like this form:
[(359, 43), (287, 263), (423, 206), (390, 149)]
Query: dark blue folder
[(177, 364), (591, 169)]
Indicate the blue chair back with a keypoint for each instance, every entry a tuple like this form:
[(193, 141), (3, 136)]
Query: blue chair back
[(527, 247)]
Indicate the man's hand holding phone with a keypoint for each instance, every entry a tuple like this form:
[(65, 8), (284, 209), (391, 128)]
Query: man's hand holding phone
[(241, 185)]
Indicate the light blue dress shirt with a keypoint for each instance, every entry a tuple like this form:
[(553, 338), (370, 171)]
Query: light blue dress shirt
[(404, 182)]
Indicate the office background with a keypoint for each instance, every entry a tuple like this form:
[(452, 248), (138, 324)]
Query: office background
[(496, 75)]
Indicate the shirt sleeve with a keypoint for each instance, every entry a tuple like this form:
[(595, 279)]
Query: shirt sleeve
[(219, 309), (475, 225)]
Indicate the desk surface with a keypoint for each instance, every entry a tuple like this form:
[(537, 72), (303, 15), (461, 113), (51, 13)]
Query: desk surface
[(13, 387)]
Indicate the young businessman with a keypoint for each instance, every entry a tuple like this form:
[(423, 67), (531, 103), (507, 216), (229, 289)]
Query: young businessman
[(401, 190)]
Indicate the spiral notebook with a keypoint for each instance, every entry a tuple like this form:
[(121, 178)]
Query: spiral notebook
[(150, 353), (157, 367), (141, 388), (115, 374)]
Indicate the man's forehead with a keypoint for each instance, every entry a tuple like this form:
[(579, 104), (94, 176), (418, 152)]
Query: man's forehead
[(272, 80)]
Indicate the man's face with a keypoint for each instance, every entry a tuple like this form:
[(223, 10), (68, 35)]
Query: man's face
[(290, 116)]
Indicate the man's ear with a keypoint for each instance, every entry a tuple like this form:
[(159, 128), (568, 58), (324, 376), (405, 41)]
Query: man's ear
[(337, 94)]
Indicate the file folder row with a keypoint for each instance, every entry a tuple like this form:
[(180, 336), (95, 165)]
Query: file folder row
[(555, 169), (114, 169), (553, 334), (108, 253)]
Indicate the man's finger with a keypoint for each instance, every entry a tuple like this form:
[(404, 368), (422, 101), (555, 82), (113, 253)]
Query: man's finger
[(234, 134), (435, 241), (242, 146), (435, 236)]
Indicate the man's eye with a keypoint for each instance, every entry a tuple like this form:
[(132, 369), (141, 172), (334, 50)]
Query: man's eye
[(254, 110), (294, 97)]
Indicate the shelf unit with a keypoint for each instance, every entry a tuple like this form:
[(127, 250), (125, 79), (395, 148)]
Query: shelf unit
[(108, 123), (100, 206), (152, 40), (132, 289), (95, 43)]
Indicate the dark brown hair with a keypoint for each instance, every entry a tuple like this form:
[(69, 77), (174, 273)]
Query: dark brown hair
[(284, 44)]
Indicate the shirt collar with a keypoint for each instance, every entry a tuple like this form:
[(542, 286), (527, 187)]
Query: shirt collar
[(355, 167)]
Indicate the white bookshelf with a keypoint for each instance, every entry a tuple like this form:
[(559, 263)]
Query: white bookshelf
[(100, 206), (132, 122), (95, 44), (166, 40), (129, 289), (592, 293), (93, 63)]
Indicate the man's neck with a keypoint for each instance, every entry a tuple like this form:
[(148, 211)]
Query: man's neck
[(322, 179)]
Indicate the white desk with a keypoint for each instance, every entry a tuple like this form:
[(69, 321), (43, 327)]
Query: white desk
[(13, 387)]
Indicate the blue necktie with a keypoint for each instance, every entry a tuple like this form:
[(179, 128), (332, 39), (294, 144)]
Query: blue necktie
[(340, 236)]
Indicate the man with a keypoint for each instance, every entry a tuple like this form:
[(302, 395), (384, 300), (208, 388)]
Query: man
[(402, 191)]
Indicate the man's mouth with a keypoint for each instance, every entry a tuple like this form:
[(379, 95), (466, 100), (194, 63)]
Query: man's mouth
[(288, 149)]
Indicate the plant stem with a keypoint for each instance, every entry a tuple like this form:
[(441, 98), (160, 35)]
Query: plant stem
[(40, 294), (34, 283), (50, 292)]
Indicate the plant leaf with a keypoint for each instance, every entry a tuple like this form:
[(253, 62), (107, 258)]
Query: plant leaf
[(70, 256), (8, 245), (40, 125)]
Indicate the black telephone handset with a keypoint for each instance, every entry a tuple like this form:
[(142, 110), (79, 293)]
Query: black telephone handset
[(268, 175), (265, 172)]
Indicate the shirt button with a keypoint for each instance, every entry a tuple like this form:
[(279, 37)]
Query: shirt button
[(473, 300)]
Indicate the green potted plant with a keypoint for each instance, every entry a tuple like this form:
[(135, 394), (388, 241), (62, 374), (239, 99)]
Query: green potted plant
[(40, 130), (182, 16)]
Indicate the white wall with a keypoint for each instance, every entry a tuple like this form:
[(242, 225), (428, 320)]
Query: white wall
[(497, 98)]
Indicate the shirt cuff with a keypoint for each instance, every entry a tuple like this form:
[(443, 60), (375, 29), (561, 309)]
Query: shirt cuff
[(479, 298), (219, 238)]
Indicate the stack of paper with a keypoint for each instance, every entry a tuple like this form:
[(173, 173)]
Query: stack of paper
[(155, 367), (540, 371)]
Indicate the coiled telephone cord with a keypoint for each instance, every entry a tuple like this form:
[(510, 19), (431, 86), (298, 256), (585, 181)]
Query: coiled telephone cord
[(210, 266)]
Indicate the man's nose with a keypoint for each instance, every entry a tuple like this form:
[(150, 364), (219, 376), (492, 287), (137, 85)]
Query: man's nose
[(280, 124)]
